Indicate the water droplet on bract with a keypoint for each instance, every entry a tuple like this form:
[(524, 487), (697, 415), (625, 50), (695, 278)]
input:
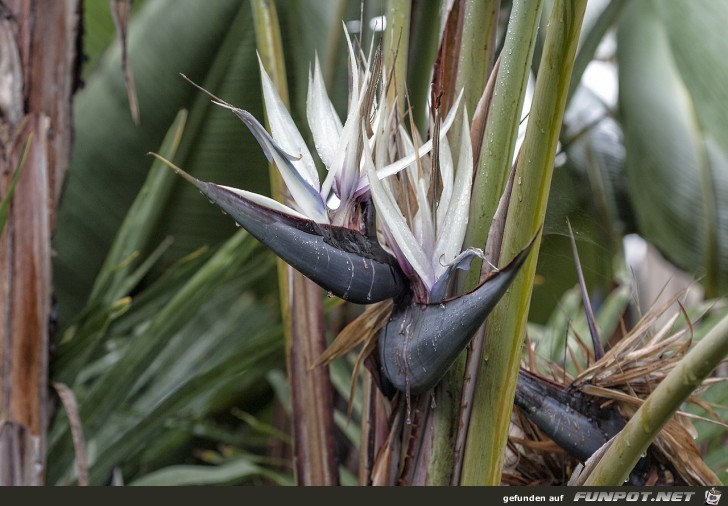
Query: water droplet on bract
[(237, 224), (223, 212), (330, 295)]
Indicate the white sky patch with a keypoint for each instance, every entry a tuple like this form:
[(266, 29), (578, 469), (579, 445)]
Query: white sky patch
[(378, 23)]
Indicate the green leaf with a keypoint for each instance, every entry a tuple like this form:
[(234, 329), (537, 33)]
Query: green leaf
[(171, 359), (233, 471), (212, 44), (673, 106)]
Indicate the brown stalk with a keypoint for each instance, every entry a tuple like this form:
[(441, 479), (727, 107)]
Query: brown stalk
[(38, 58)]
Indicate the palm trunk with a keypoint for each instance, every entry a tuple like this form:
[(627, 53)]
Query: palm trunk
[(38, 58)]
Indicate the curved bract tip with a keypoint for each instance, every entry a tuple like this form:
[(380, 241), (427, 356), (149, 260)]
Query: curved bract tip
[(342, 261), (421, 341)]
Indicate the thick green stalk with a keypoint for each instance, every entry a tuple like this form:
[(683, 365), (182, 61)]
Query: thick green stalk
[(493, 168), (488, 431), (501, 129), (301, 309), (477, 50), (396, 49), (475, 58), (627, 447)]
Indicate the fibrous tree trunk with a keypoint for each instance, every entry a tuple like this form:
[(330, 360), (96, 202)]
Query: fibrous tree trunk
[(38, 69)]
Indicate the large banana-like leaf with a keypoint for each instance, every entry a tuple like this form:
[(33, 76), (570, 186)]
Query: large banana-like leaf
[(109, 160), (674, 102), (213, 44)]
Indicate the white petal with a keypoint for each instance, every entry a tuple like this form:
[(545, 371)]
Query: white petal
[(354, 72), (450, 237), (392, 217), (322, 118), (400, 164), (306, 197), (446, 174), (266, 202), (422, 223), (345, 155), (286, 133)]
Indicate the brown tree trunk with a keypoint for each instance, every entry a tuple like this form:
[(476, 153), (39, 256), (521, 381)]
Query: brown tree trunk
[(38, 58)]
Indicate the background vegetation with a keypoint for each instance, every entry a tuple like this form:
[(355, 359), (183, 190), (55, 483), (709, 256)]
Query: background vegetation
[(170, 331)]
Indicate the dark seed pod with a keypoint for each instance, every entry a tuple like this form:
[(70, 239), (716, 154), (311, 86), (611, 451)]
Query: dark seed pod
[(421, 341), (572, 419), (575, 421), (342, 261)]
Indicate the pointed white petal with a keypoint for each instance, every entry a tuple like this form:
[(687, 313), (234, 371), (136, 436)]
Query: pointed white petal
[(266, 202), (400, 164), (306, 197), (346, 151), (354, 73), (286, 133), (322, 118), (446, 175), (422, 223), (450, 237), (392, 217)]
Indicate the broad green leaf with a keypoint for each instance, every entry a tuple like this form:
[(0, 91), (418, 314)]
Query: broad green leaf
[(109, 162), (673, 105), (214, 45)]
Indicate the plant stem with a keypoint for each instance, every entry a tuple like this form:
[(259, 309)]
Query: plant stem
[(488, 431), (501, 130), (301, 309), (627, 447), (475, 58), (499, 140)]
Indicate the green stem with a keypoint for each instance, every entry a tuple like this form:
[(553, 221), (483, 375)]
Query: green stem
[(475, 58), (627, 447), (501, 129), (301, 308), (493, 403), (493, 168)]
